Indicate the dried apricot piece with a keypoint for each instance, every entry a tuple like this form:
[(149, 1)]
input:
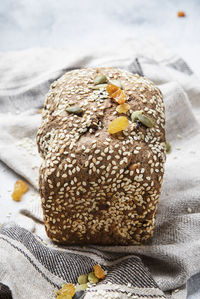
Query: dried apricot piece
[(20, 188), (118, 124), (111, 88), (116, 83), (123, 108), (67, 289), (116, 93), (99, 272), (181, 14), (119, 96)]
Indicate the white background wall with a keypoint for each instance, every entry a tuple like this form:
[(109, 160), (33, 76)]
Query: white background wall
[(94, 23)]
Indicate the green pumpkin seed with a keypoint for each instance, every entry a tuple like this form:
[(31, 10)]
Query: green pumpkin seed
[(81, 287), (168, 147), (75, 110), (134, 115), (92, 278), (100, 79), (99, 86), (145, 120), (82, 279), (116, 83)]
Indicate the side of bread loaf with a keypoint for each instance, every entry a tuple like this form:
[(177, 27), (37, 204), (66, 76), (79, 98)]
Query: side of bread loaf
[(98, 188)]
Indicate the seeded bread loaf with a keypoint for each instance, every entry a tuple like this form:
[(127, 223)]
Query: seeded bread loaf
[(97, 187)]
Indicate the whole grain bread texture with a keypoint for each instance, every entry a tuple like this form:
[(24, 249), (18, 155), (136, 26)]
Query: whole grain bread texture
[(97, 187)]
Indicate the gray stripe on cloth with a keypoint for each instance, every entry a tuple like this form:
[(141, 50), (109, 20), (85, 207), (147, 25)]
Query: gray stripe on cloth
[(67, 266), (181, 66)]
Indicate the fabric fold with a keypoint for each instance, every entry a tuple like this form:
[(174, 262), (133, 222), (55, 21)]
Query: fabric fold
[(47, 268), (173, 254)]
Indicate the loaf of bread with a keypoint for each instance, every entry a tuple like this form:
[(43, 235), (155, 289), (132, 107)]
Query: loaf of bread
[(102, 170)]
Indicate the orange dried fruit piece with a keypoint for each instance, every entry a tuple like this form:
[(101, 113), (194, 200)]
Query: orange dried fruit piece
[(99, 272), (118, 124), (119, 96), (123, 108), (67, 289), (181, 14), (111, 88), (20, 188), (116, 93)]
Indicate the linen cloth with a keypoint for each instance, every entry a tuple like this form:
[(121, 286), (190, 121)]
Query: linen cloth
[(173, 254)]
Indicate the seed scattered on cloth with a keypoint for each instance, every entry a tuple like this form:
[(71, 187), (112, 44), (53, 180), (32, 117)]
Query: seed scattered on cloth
[(99, 272), (70, 291), (82, 279), (181, 14), (92, 278), (20, 188), (168, 147)]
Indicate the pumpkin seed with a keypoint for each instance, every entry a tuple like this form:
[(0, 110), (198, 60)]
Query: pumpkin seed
[(75, 110), (100, 79), (116, 83), (168, 147), (81, 287), (134, 115), (145, 120), (82, 279), (92, 278), (99, 86)]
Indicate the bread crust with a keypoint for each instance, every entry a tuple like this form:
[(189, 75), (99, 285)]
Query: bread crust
[(98, 188)]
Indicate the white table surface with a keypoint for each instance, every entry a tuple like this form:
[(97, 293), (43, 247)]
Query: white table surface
[(93, 24)]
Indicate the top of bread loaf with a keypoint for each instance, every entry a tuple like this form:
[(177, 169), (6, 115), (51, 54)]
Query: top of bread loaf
[(82, 161)]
